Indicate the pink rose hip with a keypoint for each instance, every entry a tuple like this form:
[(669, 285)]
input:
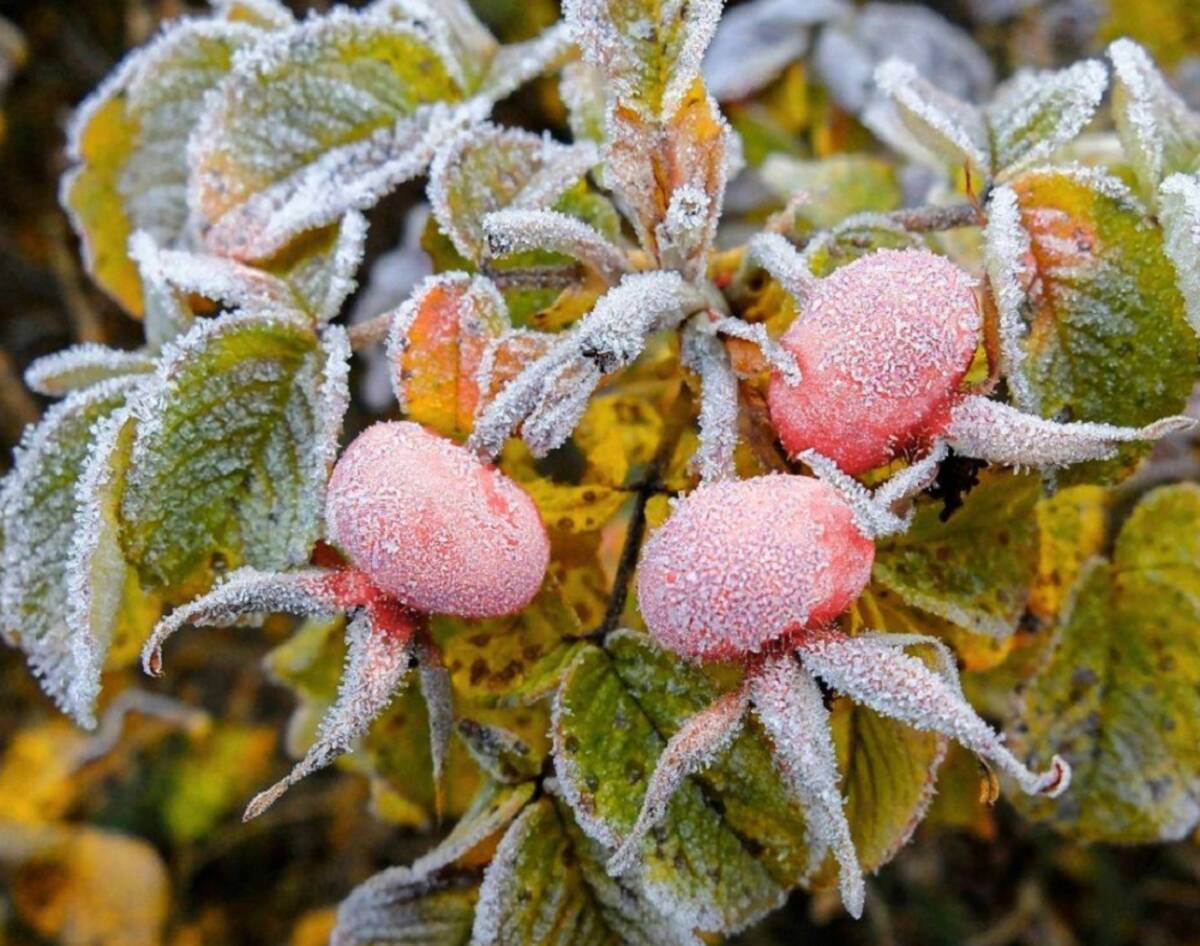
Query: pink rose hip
[(740, 564), (882, 345), (433, 526)]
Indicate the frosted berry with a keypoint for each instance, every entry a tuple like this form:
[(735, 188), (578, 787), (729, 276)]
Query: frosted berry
[(743, 563), (433, 526), (882, 345)]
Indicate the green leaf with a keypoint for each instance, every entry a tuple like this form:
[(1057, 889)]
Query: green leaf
[(236, 438), (400, 908), (1037, 112), (1106, 337), (319, 268), (1118, 692), (835, 187), (39, 512), (975, 569), (363, 98), (534, 893), (649, 50), (694, 866), (493, 808), (1159, 132), (1179, 212), (128, 147)]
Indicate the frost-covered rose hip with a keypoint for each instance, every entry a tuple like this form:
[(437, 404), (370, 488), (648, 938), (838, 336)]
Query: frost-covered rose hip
[(432, 526), (774, 560), (740, 564), (882, 345)]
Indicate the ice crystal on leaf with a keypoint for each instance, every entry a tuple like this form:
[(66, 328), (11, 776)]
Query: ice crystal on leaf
[(81, 366), (520, 231), (1179, 209)]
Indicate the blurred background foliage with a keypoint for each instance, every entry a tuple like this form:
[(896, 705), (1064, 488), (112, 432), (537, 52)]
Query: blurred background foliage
[(132, 835)]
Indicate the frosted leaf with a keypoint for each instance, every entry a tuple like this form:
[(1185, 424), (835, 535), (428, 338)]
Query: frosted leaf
[(492, 809), (582, 91), (650, 51), (320, 268), (463, 43), (271, 14), (647, 162), (791, 708), (1179, 213), (1159, 132), (695, 745), (518, 63), (247, 593), (996, 432), (755, 41), (522, 231), (564, 397), (40, 521), (436, 345), (81, 366), (503, 755), (243, 466), (685, 234), (1006, 255), (127, 147), (489, 168), (780, 360), (913, 479), (167, 313), (439, 705), (96, 573), (378, 658), (315, 121), (786, 266), (608, 338), (901, 687), (848, 51), (952, 129), (703, 353), (507, 356), (1034, 114), (399, 908)]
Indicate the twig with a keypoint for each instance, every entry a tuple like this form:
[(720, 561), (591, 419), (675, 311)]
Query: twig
[(371, 332)]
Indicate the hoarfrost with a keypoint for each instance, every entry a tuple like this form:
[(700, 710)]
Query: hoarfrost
[(703, 353), (582, 91), (520, 231), (1006, 258), (792, 710), (1179, 211), (518, 63), (901, 687), (779, 258), (266, 13), (684, 235), (390, 908), (81, 366)]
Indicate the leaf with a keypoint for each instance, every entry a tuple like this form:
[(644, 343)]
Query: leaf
[(649, 50), (436, 343), (833, 188), (695, 867), (533, 891), (503, 755), (953, 130), (1118, 692), (1035, 113), (1072, 528), (399, 908), (1099, 292), (238, 469), (1159, 132), (974, 569), (488, 168), (87, 887), (491, 812), (319, 268), (128, 147), (1179, 213), (39, 513), (81, 366), (364, 99), (265, 13)]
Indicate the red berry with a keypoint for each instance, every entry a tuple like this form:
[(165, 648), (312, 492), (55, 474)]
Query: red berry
[(433, 526), (882, 345), (743, 563)]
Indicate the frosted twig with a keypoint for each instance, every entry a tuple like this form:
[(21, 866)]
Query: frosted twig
[(902, 687), (786, 266), (702, 737), (999, 433), (520, 231), (703, 353)]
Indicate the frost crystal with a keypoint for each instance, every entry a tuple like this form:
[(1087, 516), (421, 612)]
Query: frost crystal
[(1006, 256), (702, 737), (998, 433), (607, 339), (686, 232), (897, 685), (777, 256), (703, 353), (520, 231), (377, 661), (81, 366), (792, 710), (952, 129), (1179, 210)]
